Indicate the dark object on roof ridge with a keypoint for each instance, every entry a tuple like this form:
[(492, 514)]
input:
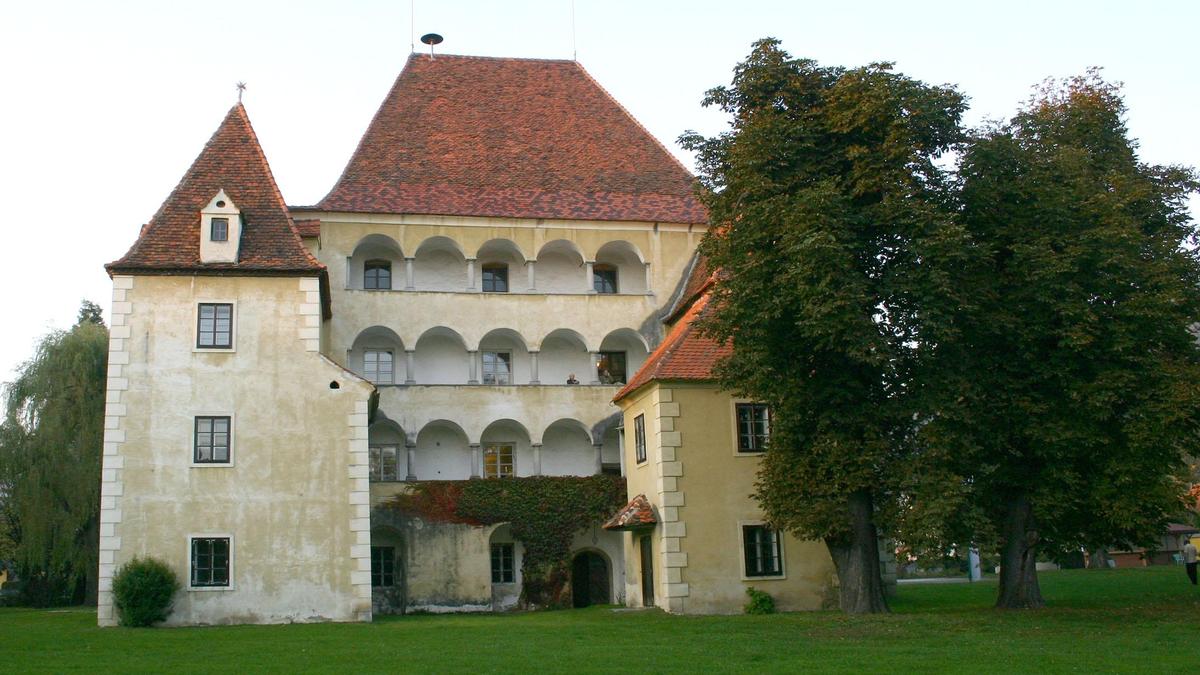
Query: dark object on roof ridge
[(515, 138), (232, 160)]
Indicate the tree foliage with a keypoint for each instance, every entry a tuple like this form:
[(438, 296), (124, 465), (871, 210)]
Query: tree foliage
[(50, 447), (1071, 383), (829, 210)]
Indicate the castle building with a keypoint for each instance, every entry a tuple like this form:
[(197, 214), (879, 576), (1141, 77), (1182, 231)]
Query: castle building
[(492, 267)]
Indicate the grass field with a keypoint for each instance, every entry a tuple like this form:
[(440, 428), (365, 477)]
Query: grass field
[(1100, 621)]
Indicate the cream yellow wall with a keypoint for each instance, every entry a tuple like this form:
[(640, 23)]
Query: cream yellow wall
[(294, 499), (690, 435)]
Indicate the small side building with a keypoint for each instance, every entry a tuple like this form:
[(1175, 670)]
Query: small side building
[(695, 538)]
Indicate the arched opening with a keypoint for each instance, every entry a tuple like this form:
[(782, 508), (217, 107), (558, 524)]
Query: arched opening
[(388, 457), (610, 451), (377, 264), (506, 450), (439, 265), (567, 449), (504, 358), (440, 357), (505, 555), (502, 267), (378, 355), (442, 452), (564, 354), (621, 353), (590, 579), (560, 268), (619, 268)]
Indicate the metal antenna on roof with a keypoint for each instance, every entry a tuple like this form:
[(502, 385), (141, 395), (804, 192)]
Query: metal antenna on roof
[(431, 39), (241, 87), (412, 27), (574, 47)]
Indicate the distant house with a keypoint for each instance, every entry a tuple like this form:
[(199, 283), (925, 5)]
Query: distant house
[(1170, 546)]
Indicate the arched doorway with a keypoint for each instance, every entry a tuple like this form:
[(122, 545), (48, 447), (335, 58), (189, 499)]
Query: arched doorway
[(589, 580)]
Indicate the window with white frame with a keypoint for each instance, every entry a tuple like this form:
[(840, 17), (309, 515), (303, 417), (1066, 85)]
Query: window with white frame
[(498, 460), (377, 275), (497, 367), (762, 554), (219, 229), (379, 366), (639, 438), (214, 325), (604, 278), (495, 278), (753, 427), (503, 568), (210, 562), (210, 440), (385, 463)]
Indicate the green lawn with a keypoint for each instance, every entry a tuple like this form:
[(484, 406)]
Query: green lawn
[(1128, 620)]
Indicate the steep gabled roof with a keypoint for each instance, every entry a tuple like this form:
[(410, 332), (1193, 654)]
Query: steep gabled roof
[(232, 160), (504, 137), (684, 355)]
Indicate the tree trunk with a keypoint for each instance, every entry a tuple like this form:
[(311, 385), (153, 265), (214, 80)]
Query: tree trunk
[(1098, 559), (856, 559), (1018, 558)]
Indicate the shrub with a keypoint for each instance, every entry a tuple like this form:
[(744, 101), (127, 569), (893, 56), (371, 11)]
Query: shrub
[(761, 602), (143, 590)]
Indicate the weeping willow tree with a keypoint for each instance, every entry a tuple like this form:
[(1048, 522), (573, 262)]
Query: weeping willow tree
[(50, 446)]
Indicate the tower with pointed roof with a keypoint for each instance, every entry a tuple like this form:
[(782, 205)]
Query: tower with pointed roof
[(234, 450)]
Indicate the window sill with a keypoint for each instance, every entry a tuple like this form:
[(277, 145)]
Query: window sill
[(211, 465), (773, 577), (207, 589), (214, 350), (749, 453)]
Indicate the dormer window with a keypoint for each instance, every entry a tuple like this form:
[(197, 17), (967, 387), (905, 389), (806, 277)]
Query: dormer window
[(220, 230)]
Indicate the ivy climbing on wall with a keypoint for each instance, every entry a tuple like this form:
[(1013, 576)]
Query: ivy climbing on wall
[(544, 512)]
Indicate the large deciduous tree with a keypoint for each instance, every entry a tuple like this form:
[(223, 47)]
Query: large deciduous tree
[(50, 447), (827, 206), (1076, 388)]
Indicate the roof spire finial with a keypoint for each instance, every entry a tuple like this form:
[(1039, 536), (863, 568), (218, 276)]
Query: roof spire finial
[(241, 87)]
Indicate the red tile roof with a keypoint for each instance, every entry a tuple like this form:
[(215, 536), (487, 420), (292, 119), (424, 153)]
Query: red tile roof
[(503, 137), (683, 355), (638, 513), (308, 228), (234, 161)]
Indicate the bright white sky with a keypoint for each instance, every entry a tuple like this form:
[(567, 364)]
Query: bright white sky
[(105, 104)]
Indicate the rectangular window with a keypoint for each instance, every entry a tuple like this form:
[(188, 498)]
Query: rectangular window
[(497, 367), (377, 366), (383, 566), (604, 278), (753, 427), (495, 278), (502, 564), (377, 275), (610, 368), (385, 463), (639, 438), (214, 328), (210, 561), (498, 460), (762, 552), (211, 440), (219, 230)]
